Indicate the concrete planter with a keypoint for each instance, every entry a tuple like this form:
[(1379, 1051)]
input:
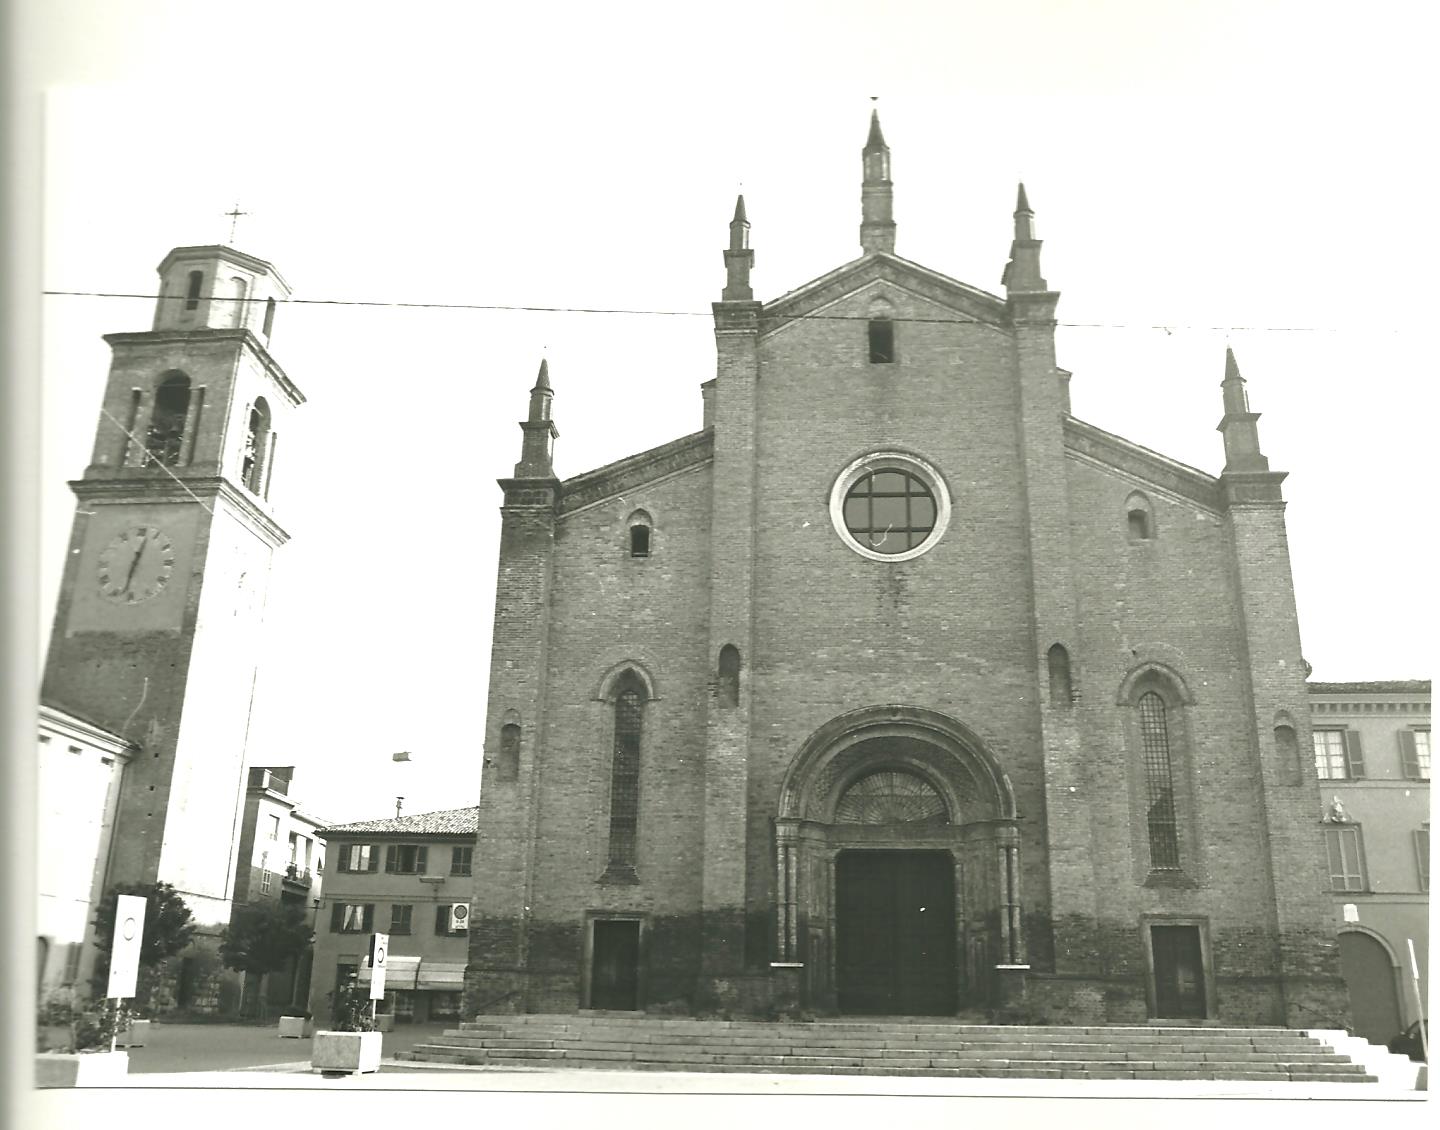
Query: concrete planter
[(294, 1027), (385, 1022), (135, 1035), (81, 1069), (337, 1053)]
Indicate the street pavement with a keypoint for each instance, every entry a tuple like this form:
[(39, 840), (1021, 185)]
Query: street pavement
[(175, 1048)]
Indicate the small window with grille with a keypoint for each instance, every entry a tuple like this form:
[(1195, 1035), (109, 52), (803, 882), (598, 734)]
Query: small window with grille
[(625, 778), (1160, 818)]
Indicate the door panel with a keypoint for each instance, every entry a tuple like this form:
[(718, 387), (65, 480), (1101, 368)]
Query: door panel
[(895, 926), (1370, 977), (615, 965), (1179, 972)]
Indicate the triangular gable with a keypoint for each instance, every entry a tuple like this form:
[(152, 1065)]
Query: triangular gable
[(635, 471), (1096, 445), (967, 303)]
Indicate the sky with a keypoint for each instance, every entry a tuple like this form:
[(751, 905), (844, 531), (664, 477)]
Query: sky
[(1247, 174)]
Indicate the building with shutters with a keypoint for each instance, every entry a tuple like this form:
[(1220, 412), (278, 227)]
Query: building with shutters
[(895, 688), (1372, 759), (408, 876)]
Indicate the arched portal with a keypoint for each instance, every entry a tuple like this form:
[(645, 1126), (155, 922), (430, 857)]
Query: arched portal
[(1369, 971), (897, 864)]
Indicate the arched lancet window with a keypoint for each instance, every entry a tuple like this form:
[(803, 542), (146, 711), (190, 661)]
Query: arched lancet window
[(165, 439), (192, 289), (640, 527), (1161, 823), (625, 775), (891, 797), (729, 683), (507, 766), (236, 289), (1287, 750), (269, 317), (1139, 518), (1061, 689), (257, 434), (881, 332)]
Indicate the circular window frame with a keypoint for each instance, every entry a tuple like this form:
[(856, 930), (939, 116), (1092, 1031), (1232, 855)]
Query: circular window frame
[(890, 461)]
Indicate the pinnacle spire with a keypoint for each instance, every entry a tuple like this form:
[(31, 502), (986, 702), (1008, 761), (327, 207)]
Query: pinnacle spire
[(1238, 425), (1022, 273), (738, 258), (740, 209), (543, 380), (877, 222), (539, 430), (1022, 202)]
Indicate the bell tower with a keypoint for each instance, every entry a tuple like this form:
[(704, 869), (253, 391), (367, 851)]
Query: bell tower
[(156, 633)]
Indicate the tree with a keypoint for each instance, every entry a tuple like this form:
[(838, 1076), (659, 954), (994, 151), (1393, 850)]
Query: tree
[(168, 928), (264, 937)]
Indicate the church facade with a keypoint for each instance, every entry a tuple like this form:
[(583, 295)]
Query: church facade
[(897, 689)]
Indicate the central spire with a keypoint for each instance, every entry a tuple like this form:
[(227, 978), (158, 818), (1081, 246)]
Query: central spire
[(877, 224)]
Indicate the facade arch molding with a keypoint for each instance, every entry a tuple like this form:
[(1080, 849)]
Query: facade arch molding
[(1154, 674), (608, 687)]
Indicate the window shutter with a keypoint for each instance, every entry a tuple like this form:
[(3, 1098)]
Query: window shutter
[(392, 854), (1408, 757), (373, 859), (369, 917), (420, 856), (337, 917), (1354, 757), (442, 919)]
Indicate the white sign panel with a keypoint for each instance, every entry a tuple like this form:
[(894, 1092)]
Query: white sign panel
[(125, 949), (379, 949)]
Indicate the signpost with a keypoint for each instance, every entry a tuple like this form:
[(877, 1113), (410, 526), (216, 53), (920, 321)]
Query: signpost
[(125, 952), (379, 948)]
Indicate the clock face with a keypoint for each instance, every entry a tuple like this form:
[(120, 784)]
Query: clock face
[(136, 565)]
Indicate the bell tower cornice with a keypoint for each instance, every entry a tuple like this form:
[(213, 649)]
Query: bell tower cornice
[(184, 338)]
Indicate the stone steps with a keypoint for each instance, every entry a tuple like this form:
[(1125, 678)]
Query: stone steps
[(890, 1048)]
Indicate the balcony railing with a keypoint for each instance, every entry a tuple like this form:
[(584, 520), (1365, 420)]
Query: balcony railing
[(300, 876)]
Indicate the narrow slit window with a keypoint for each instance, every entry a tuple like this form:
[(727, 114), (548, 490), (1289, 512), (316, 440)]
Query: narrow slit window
[(625, 778), (882, 341), (507, 768), (192, 290), (729, 687), (269, 317)]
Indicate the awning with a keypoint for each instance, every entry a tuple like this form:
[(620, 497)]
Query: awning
[(399, 971), (445, 975)]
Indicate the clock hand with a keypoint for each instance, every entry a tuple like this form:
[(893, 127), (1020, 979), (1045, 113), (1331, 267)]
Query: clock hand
[(134, 563)]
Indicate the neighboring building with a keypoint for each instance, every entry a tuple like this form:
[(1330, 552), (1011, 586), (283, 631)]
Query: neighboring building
[(78, 773), (156, 634), (898, 689), (1372, 756), (410, 877), (282, 859)]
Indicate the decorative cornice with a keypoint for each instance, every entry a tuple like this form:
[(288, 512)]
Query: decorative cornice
[(636, 470), (242, 336), (976, 304), (73, 727), (198, 489), (1121, 454)]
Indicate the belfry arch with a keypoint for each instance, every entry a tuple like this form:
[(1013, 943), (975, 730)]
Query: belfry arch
[(897, 865)]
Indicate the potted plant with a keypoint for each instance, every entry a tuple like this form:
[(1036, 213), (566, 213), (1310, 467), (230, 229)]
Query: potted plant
[(79, 1040), (353, 1045)]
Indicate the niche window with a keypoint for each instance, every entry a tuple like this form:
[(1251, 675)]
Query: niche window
[(729, 684), (165, 439), (1061, 689), (1287, 753), (625, 778), (882, 341), (269, 317), (638, 543), (192, 290), (508, 766), (1139, 518)]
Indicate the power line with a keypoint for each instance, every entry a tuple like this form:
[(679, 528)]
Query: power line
[(505, 307)]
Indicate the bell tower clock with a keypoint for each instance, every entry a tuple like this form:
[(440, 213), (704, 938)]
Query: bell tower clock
[(156, 630)]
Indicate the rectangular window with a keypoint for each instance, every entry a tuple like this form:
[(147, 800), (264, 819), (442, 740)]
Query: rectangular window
[(265, 881), (406, 859), (352, 918), (1415, 754), (460, 860), (357, 857), (1345, 852), (1422, 855), (400, 917), (275, 828), (72, 961), (882, 341), (1338, 756)]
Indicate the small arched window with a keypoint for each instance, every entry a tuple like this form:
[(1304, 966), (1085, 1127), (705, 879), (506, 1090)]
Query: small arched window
[(236, 290), (1161, 822), (625, 776), (269, 317), (1287, 751), (1061, 688), (192, 289), (1139, 518), (729, 683), (257, 435), (639, 540), (507, 766), (165, 439)]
